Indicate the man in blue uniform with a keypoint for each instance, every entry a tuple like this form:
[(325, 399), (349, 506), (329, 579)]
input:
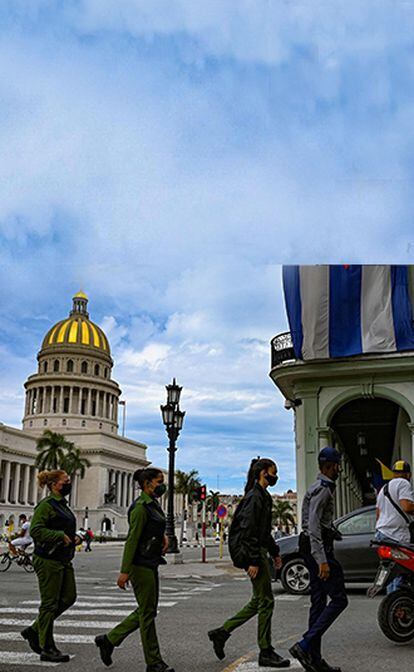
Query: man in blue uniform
[(326, 576)]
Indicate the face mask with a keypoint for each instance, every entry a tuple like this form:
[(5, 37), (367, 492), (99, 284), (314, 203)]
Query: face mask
[(66, 489), (272, 480), (160, 490)]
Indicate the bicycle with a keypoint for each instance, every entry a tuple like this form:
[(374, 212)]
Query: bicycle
[(22, 559)]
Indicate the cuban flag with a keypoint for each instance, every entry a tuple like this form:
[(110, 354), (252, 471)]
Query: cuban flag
[(340, 311)]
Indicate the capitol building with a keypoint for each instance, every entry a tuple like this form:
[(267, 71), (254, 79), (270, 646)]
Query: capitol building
[(73, 393)]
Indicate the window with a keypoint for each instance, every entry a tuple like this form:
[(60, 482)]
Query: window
[(56, 365), (44, 367), (69, 366), (66, 405), (64, 421), (45, 422), (96, 369), (105, 372), (360, 523), (84, 367), (83, 423)]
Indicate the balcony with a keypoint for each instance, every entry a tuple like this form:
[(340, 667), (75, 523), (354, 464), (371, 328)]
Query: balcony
[(282, 349)]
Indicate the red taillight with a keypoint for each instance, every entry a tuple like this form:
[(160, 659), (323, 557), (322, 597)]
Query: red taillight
[(384, 552), (387, 553)]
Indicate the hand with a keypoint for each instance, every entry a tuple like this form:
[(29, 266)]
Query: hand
[(67, 541), (253, 571), (165, 544), (278, 562), (78, 540), (324, 571), (123, 581)]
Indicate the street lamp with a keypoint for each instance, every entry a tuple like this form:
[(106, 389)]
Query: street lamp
[(173, 420)]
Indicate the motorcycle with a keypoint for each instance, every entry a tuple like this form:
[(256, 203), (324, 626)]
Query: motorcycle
[(396, 610)]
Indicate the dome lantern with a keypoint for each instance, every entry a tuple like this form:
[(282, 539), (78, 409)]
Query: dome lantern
[(80, 305)]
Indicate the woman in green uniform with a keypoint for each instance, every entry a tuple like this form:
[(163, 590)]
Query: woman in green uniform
[(144, 547), (53, 530), (250, 544)]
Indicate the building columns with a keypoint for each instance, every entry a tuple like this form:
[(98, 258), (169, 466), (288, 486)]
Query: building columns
[(16, 483), (26, 484)]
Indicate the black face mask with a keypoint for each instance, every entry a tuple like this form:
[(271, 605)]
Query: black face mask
[(272, 480), (66, 489), (160, 490)]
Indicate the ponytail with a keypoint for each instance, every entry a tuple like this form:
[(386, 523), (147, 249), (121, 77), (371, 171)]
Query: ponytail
[(256, 466), (50, 478), (147, 474)]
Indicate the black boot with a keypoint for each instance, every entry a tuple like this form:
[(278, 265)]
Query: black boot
[(159, 667), (270, 658), (32, 639), (105, 649), (304, 657), (54, 656), (219, 637), (323, 666)]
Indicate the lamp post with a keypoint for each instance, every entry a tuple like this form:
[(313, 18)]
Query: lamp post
[(173, 419)]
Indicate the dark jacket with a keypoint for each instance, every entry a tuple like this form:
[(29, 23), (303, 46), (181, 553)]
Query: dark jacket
[(251, 529), (146, 534), (52, 519)]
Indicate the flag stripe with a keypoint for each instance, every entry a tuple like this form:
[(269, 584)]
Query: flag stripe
[(314, 290), (345, 310), (376, 310), (291, 286), (402, 308)]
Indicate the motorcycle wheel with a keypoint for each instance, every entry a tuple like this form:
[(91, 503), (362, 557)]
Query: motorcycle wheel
[(396, 616), (5, 562)]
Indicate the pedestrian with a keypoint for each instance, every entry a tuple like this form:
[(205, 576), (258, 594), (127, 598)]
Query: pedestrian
[(395, 506), (316, 545), (250, 543), (145, 545), (88, 540), (53, 528)]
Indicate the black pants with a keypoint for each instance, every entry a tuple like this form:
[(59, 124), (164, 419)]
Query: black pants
[(322, 614)]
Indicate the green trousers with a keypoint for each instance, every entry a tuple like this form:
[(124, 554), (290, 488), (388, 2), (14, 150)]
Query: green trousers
[(57, 593), (262, 604), (144, 581)]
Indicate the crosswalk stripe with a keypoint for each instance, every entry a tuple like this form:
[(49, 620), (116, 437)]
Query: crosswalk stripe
[(94, 625), (66, 639), (20, 658), (80, 612)]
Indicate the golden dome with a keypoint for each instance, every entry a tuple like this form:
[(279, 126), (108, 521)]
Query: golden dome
[(77, 329)]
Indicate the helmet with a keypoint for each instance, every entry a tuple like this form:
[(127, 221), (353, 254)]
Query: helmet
[(329, 454), (401, 467)]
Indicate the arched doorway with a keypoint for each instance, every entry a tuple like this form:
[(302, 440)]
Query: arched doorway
[(367, 430), (106, 525)]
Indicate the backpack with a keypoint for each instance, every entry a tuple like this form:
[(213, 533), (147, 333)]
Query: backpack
[(236, 544)]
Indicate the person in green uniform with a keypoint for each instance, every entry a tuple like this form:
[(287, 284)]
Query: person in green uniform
[(145, 545), (250, 543), (53, 530)]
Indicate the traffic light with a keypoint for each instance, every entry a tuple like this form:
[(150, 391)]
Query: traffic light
[(200, 494)]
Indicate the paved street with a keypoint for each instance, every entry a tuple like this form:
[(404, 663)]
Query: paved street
[(194, 598)]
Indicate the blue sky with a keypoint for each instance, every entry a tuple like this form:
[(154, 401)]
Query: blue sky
[(167, 157)]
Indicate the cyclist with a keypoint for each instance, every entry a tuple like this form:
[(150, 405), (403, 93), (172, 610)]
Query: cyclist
[(24, 539)]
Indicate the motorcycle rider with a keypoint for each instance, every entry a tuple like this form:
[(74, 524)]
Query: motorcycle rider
[(326, 575), (395, 505)]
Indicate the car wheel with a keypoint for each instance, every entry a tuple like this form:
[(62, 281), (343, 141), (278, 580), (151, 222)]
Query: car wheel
[(295, 577)]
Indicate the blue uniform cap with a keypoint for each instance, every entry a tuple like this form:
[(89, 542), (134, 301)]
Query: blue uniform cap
[(329, 454)]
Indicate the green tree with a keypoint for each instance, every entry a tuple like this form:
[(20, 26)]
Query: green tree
[(282, 514), (213, 500), (56, 452), (186, 483), (74, 464)]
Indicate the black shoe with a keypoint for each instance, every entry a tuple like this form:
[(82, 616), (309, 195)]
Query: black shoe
[(105, 649), (270, 658), (219, 637), (323, 666), (159, 667), (54, 656), (304, 657), (32, 639)]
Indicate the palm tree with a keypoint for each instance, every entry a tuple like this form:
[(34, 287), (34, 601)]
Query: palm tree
[(52, 448), (186, 484), (213, 500), (282, 514), (74, 464)]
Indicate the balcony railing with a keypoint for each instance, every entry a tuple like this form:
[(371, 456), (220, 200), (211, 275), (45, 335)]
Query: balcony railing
[(282, 349)]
